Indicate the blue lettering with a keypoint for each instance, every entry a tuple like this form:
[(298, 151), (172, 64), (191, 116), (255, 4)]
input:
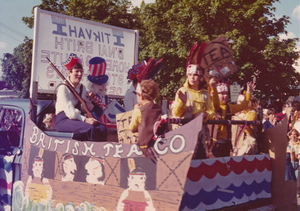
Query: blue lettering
[(107, 35), (59, 22), (118, 35), (81, 34), (89, 33), (97, 36), (72, 31)]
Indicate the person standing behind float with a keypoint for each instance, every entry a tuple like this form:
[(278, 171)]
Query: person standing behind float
[(271, 121), (224, 110), (282, 114), (68, 113), (292, 157)]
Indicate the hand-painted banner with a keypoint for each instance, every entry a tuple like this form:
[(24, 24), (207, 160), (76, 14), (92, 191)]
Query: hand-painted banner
[(57, 35), (68, 174)]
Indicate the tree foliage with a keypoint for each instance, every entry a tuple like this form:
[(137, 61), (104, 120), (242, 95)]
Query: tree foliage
[(16, 68), (112, 12), (168, 29)]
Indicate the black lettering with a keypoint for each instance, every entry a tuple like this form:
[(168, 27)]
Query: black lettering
[(225, 53)]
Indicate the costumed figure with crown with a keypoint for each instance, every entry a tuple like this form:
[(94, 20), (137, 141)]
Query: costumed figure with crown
[(69, 113)]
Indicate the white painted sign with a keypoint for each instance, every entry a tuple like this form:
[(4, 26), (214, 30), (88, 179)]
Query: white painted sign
[(57, 35), (234, 92)]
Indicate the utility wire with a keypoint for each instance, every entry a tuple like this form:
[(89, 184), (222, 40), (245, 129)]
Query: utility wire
[(11, 37), (13, 30)]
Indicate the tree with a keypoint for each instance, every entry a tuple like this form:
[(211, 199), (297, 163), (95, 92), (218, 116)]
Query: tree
[(112, 12), (169, 29), (16, 68)]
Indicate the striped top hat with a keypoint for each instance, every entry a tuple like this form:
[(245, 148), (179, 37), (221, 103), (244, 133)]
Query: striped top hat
[(97, 70), (72, 60)]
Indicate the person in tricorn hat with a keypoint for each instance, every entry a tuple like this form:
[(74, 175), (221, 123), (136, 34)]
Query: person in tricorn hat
[(69, 117)]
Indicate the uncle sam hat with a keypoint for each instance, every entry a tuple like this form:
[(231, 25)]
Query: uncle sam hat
[(97, 70)]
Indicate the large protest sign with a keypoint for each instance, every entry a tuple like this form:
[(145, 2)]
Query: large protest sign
[(218, 57), (57, 35)]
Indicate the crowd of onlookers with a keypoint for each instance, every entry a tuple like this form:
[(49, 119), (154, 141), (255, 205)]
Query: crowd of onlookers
[(271, 117), (290, 110)]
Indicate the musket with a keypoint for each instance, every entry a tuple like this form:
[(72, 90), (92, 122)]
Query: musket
[(89, 114)]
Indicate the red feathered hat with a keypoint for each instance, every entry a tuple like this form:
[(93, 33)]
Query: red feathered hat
[(145, 70), (196, 54), (136, 70)]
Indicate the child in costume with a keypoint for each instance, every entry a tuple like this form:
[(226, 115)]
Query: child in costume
[(145, 114), (224, 110), (193, 99)]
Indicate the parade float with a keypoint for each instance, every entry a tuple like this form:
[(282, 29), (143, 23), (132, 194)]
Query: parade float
[(43, 169)]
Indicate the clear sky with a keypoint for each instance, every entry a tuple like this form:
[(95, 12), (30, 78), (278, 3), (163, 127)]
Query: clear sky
[(13, 30)]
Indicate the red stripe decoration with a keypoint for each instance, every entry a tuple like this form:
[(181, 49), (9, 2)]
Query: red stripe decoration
[(99, 102), (105, 121), (97, 69), (225, 168), (5, 185)]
